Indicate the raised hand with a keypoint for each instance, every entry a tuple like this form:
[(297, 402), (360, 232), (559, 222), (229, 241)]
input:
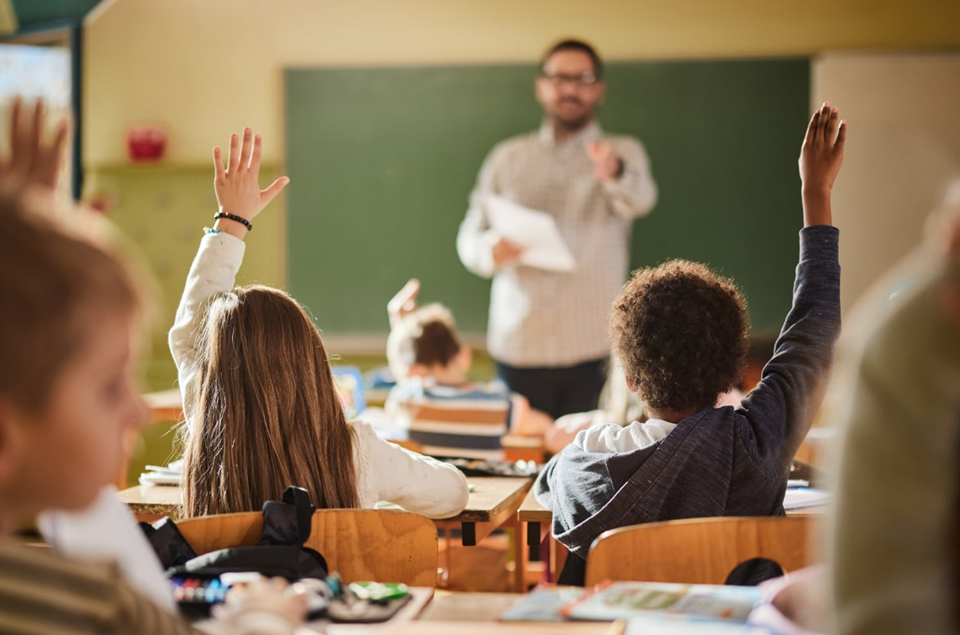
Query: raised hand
[(32, 162), (606, 163), (238, 185), (820, 159), (405, 301)]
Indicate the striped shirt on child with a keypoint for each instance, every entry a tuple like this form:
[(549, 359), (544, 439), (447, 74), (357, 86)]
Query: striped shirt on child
[(466, 421)]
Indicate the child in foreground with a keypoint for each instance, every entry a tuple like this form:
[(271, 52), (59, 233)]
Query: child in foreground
[(894, 532), (70, 312), (681, 335), (261, 410)]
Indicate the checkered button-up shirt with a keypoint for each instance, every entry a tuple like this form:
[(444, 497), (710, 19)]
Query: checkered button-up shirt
[(544, 318)]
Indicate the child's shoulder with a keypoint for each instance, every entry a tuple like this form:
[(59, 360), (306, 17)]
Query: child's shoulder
[(613, 438), (40, 563)]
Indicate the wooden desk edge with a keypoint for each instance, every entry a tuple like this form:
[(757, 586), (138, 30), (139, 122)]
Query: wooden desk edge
[(531, 511)]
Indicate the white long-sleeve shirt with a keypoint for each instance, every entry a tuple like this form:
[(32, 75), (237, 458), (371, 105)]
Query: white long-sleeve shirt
[(385, 471), (544, 318)]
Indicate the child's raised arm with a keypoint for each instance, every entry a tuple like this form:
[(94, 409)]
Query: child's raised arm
[(221, 251), (820, 158), (781, 408), (404, 302)]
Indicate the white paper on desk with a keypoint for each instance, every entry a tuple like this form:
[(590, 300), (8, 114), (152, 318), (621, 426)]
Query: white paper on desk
[(801, 497), (106, 531), (535, 231)]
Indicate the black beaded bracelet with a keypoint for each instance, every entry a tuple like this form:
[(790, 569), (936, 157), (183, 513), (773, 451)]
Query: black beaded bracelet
[(234, 217)]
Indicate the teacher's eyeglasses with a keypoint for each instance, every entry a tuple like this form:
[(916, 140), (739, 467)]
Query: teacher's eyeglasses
[(585, 78)]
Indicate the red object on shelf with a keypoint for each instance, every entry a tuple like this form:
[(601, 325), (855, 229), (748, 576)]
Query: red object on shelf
[(146, 143)]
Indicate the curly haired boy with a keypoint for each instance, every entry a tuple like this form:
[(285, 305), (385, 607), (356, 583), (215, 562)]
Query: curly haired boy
[(681, 335)]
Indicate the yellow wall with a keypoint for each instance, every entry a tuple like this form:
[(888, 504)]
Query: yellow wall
[(207, 67), (903, 153)]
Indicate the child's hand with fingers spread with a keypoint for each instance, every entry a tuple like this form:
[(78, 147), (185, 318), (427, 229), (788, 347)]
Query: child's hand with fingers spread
[(238, 185), (820, 158), (32, 162)]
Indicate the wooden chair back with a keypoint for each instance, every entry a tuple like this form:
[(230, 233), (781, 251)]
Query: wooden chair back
[(699, 550), (383, 545)]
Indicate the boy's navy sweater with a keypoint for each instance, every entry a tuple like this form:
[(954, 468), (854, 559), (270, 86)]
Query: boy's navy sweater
[(720, 461)]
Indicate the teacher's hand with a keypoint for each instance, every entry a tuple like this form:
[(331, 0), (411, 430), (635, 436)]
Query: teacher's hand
[(505, 253), (606, 163)]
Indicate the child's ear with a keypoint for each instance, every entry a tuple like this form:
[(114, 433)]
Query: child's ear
[(465, 356), (632, 387)]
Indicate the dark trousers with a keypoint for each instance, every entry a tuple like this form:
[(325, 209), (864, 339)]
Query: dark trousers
[(558, 391)]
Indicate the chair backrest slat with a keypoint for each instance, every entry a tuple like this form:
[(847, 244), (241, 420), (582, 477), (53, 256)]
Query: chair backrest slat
[(360, 544), (698, 550)]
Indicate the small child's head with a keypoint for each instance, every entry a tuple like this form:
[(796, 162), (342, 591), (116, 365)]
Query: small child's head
[(265, 412), (425, 344), (682, 335), (69, 312)]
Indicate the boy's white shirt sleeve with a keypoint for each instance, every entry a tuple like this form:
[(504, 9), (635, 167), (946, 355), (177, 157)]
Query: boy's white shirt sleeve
[(609, 438), (418, 483), (214, 271)]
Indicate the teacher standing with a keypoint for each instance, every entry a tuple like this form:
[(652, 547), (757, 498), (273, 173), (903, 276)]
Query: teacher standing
[(547, 330)]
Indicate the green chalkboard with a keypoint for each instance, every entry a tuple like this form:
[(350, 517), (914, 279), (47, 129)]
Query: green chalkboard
[(382, 161)]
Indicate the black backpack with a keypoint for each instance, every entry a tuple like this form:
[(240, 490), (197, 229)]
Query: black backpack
[(278, 553)]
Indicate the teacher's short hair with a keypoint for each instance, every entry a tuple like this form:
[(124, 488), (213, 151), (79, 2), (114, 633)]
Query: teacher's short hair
[(575, 45)]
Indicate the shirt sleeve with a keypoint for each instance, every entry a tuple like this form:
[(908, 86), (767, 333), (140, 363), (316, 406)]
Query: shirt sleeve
[(42, 592), (214, 271), (635, 193), (779, 411), (475, 238), (417, 483)]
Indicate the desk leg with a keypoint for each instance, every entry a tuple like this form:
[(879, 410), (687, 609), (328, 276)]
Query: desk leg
[(558, 558), (468, 534), (519, 560), (533, 541), (444, 574)]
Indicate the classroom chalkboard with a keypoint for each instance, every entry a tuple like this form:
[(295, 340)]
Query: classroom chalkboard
[(382, 161)]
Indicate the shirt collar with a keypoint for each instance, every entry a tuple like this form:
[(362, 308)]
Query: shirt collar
[(590, 132)]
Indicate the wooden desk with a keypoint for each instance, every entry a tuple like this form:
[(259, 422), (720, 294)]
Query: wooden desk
[(538, 520), (493, 502)]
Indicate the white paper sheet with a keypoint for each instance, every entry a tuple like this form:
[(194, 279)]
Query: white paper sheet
[(107, 531), (800, 497), (535, 231)]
